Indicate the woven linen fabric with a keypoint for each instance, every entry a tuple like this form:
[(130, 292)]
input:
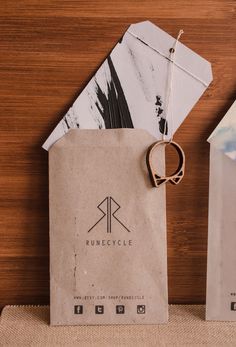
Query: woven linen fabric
[(29, 326)]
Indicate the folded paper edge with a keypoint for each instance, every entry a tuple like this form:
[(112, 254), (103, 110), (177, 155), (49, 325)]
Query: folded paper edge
[(123, 133), (151, 34)]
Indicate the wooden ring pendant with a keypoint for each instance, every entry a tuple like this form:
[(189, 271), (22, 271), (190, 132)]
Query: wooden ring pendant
[(177, 176)]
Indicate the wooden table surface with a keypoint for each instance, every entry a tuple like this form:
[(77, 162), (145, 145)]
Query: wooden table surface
[(49, 50)]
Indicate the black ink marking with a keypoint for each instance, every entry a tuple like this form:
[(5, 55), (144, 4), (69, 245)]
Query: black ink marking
[(163, 125), (113, 107), (158, 101), (66, 122), (121, 39)]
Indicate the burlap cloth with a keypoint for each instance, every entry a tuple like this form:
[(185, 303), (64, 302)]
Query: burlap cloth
[(28, 326)]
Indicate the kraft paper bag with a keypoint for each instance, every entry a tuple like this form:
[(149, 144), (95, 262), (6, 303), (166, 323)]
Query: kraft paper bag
[(221, 262), (108, 256)]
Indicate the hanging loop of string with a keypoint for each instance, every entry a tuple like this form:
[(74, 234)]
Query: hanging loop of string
[(169, 109), (156, 179)]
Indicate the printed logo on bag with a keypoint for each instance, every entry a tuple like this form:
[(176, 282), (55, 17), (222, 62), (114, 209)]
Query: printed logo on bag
[(120, 309), (108, 224), (233, 306), (140, 309), (99, 309), (109, 207), (78, 309)]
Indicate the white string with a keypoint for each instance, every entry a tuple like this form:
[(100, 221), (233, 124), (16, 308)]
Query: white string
[(169, 90)]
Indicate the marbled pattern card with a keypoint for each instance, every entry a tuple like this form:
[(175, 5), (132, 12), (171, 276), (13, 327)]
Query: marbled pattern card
[(221, 258), (224, 135)]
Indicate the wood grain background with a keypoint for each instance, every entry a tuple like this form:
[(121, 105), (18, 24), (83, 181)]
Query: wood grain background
[(49, 50)]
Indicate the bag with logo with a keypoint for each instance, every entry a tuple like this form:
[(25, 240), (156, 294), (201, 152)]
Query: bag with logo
[(108, 259)]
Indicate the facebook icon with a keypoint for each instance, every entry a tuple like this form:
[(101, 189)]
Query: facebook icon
[(78, 309)]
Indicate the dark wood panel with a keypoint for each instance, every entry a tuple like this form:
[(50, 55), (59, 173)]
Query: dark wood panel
[(49, 50)]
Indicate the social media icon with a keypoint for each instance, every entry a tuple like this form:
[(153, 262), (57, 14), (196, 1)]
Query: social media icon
[(99, 309), (233, 306), (78, 309), (140, 309), (120, 309)]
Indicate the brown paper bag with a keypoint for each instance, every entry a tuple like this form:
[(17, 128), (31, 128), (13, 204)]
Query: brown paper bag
[(108, 261)]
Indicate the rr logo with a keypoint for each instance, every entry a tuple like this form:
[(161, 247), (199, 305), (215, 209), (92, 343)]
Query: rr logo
[(109, 207)]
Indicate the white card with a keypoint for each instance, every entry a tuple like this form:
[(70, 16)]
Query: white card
[(129, 90)]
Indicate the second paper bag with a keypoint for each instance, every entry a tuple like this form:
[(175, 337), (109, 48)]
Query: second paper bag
[(108, 261)]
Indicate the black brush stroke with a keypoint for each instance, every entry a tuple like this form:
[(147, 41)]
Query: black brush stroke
[(114, 108)]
